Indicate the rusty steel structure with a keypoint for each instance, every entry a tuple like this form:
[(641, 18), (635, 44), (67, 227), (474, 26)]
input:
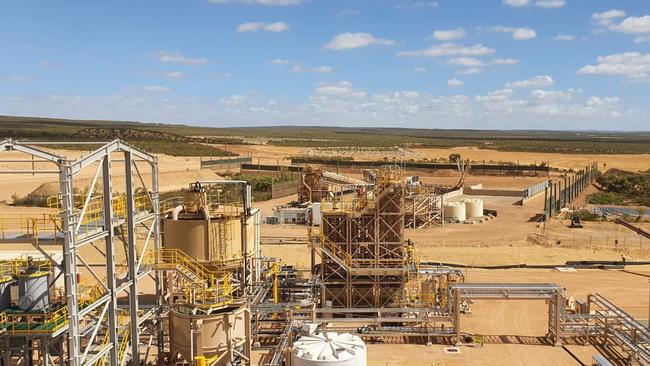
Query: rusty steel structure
[(313, 187), (365, 261)]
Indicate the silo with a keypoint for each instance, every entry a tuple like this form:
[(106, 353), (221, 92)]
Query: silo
[(33, 290), (455, 210), (474, 207), (329, 349)]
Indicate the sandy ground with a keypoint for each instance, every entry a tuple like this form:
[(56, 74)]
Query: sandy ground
[(175, 173), (508, 239), (268, 154)]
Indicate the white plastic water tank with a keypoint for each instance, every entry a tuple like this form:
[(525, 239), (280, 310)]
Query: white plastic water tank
[(455, 210), (316, 213), (329, 349), (474, 207)]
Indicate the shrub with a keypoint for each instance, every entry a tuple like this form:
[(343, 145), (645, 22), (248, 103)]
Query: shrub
[(31, 199)]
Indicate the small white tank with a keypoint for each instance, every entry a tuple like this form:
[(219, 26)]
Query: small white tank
[(329, 349), (474, 207), (455, 210)]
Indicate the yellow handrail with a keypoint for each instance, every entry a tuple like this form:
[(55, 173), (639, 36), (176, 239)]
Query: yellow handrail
[(211, 289), (168, 258)]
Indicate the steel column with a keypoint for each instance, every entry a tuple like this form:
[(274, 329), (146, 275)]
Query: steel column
[(132, 258), (70, 263), (110, 259)]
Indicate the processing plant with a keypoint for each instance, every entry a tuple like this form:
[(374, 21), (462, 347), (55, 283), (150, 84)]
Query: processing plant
[(119, 276)]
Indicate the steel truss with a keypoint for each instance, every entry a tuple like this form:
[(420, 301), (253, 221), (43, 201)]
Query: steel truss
[(99, 331), (551, 293), (364, 257), (422, 207)]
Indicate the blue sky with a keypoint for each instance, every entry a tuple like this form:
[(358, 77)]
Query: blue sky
[(500, 64)]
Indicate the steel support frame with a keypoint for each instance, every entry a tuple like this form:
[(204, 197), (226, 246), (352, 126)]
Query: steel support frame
[(369, 242), (78, 352)]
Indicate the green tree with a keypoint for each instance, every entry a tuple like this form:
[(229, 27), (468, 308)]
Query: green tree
[(454, 158)]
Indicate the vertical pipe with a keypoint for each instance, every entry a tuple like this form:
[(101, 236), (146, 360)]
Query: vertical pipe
[(132, 258), (110, 259)]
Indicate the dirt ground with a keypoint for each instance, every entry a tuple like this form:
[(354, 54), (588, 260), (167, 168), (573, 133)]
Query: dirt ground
[(174, 173), (268, 154), (510, 238)]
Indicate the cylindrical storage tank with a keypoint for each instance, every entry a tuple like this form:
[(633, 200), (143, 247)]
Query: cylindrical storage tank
[(34, 291), (5, 292), (455, 210), (209, 335), (329, 349), (188, 236), (474, 207)]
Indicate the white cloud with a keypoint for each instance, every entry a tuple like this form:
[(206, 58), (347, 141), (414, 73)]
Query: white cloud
[(605, 18), (474, 65), (276, 27), (467, 61), (516, 3), (342, 104), (339, 89), (455, 82), (504, 61), (542, 96), (564, 37), (520, 34), (177, 58), (471, 71), (449, 35), (449, 49), (157, 89), (523, 34), (550, 3), (259, 2), (642, 39), (269, 27), (634, 66), (174, 74), (318, 69), (250, 27), (631, 25), (634, 25), (541, 3), (280, 61), (420, 69), (415, 4), (346, 41), (539, 81), (495, 96)]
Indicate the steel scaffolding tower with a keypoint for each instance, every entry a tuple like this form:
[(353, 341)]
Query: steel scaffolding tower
[(98, 330), (364, 257)]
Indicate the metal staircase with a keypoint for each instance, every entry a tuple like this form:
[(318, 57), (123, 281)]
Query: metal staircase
[(205, 288)]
